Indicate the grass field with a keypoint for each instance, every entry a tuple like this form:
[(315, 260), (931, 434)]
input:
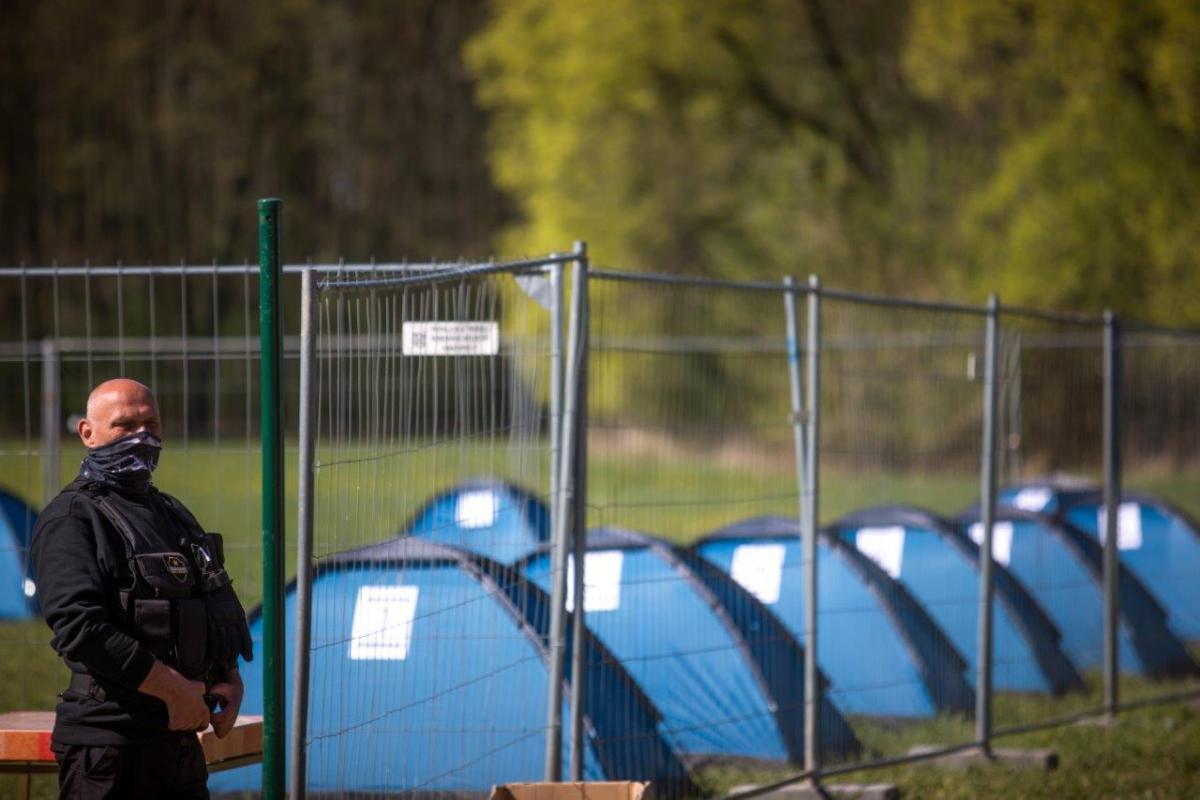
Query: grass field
[(365, 495), (1149, 753)]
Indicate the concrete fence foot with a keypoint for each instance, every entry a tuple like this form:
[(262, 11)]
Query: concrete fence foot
[(1031, 758)]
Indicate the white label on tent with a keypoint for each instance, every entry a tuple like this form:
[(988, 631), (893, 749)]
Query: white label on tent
[(759, 569), (1129, 525), (884, 546), (476, 509), (451, 338), (383, 620), (1033, 498), (30, 588), (1002, 536), (601, 581)]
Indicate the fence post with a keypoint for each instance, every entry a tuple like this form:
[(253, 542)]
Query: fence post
[(987, 489), (1112, 504), (579, 516), (796, 385), (304, 529), (562, 521), (799, 422), (1015, 438), (271, 342), (556, 386), (804, 426), (810, 527), (52, 422)]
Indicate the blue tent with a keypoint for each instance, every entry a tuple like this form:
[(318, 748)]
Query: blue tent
[(429, 675), (486, 516), (1062, 567), (940, 566), (1159, 543), (16, 585), (883, 654), (725, 673)]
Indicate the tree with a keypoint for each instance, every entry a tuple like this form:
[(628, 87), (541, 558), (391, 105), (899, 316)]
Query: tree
[(726, 138), (144, 131), (1089, 109)]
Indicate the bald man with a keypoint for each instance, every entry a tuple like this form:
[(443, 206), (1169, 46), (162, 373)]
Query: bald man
[(143, 613)]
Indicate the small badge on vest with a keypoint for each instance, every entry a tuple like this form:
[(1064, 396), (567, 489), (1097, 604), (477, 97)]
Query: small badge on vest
[(177, 566)]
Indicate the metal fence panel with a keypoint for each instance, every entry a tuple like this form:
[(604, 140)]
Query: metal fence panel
[(191, 339), (187, 332), (902, 413), (1052, 435), (1158, 533), (713, 418)]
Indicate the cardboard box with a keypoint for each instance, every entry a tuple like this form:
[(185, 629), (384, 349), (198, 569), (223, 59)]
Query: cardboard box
[(611, 790)]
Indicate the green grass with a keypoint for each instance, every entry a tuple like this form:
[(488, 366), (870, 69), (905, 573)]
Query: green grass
[(365, 495), (1152, 752)]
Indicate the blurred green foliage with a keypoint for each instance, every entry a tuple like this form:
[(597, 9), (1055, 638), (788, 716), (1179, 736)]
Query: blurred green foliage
[(144, 130), (1047, 151)]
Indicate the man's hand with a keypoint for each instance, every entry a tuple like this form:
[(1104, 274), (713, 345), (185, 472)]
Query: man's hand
[(186, 710), (230, 691)]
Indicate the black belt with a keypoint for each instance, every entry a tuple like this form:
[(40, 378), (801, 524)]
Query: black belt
[(87, 685), (90, 687)]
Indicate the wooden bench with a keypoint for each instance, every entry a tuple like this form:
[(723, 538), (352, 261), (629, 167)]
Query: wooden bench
[(25, 746)]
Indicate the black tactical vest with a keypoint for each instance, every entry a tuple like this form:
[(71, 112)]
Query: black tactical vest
[(164, 604)]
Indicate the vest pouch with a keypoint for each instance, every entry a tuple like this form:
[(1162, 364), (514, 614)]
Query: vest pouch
[(152, 622), (191, 637), (166, 574)]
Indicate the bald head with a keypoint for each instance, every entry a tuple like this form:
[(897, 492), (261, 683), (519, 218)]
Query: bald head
[(117, 408)]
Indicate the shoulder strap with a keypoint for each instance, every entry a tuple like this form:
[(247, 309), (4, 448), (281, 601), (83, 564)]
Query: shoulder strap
[(181, 514), (98, 495), (118, 520)]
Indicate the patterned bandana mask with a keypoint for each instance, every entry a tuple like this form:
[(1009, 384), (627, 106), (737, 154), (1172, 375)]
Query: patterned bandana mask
[(124, 464)]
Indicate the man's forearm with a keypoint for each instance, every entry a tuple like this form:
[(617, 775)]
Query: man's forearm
[(164, 683)]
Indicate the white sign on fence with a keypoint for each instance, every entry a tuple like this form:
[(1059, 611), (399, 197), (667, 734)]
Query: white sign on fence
[(382, 626), (451, 338)]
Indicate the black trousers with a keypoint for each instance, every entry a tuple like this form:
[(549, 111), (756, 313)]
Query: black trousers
[(172, 769)]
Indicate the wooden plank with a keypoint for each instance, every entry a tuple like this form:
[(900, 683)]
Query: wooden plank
[(25, 736), (25, 740)]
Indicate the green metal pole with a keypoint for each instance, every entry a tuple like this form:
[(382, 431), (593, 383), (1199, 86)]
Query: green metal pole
[(270, 326)]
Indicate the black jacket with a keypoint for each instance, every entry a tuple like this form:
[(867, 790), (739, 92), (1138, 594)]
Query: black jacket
[(80, 565)]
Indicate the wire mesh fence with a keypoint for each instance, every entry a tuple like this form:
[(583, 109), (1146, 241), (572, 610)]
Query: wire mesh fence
[(902, 429), (186, 333), (1051, 374), (436, 603), (427, 428), (1158, 532), (428, 666), (689, 434)]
